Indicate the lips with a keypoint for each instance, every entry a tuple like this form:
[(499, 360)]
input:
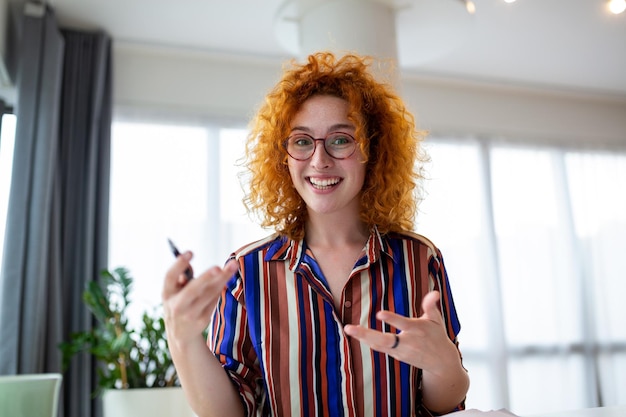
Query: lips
[(324, 183)]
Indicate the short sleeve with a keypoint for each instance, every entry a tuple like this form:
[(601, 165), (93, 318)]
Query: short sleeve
[(229, 341)]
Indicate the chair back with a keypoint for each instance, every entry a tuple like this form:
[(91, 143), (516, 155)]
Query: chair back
[(30, 395)]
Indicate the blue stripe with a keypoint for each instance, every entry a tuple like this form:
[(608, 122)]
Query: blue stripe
[(252, 293), (333, 366), (454, 318), (227, 324), (401, 298)]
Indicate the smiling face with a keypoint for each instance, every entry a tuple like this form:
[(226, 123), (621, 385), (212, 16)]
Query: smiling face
[(327, 185)]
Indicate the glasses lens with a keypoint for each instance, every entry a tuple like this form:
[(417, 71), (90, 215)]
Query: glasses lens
[(339, 145), (300, 146)]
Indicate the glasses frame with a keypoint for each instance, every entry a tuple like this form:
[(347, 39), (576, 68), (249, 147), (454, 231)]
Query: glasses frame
[(315, 140)]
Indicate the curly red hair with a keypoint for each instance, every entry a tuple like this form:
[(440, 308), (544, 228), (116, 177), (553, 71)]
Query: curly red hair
[(385, 131)]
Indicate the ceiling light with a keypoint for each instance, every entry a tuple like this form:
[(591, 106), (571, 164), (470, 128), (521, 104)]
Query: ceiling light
[(419, 31), (617, 6), (470, 6), (509, 1)]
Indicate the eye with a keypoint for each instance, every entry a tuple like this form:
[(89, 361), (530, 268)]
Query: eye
[(340, 139), (301, 141)]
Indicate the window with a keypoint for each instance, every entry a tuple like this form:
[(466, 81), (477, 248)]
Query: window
[(7, 141), (179, 182), (532, 239)]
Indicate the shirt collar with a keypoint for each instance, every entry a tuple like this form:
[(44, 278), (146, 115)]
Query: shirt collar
[(292, 251)]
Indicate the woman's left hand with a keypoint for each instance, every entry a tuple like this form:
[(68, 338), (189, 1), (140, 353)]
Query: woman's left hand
[(421, 342)]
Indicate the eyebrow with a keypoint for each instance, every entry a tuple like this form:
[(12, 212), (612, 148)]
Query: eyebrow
[(332, 128)]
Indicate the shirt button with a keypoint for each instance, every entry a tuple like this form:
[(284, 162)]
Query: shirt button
[(347, 304)]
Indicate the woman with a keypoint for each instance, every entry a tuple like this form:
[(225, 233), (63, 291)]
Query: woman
[(343, 311)]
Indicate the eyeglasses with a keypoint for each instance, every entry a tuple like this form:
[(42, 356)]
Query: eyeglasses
[(339, 145)]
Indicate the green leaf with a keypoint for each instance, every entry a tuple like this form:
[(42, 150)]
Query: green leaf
[(140, 357)]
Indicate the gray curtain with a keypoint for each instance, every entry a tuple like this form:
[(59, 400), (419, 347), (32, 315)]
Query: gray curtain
[(57, 223)]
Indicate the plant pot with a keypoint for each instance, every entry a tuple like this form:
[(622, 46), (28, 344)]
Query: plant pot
[(153, 402)]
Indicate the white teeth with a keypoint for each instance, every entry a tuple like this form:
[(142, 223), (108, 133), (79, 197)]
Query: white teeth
[(324, 182)]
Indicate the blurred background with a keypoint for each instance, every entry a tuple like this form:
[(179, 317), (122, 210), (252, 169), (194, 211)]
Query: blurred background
[(525, 105)]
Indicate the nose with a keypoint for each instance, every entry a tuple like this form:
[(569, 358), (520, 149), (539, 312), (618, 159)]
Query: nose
[(320, 158)]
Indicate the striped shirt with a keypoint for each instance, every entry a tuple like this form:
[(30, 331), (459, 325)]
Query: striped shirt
[(279, 336)]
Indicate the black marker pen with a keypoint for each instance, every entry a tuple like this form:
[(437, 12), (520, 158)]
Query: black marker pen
[(176, 253)]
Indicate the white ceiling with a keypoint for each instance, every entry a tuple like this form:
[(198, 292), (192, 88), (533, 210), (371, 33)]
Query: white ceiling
[(560, 44)]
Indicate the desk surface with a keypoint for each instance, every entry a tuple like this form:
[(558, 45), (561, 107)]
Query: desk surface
[(616, 411)]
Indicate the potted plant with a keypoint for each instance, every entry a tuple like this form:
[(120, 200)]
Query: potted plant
[(134, 360)]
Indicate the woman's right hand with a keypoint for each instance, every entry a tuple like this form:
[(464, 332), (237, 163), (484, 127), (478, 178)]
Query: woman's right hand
[(187, 309), (188, 304)]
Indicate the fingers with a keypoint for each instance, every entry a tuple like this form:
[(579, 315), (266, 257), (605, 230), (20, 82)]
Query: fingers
[(175, 277), (375, 339), (218, 277), (410, 329), (206, 287), (188, 305), (430, 307)]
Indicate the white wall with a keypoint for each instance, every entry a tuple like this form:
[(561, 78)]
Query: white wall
[(204, 85), (189, 82), (516, 113)]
